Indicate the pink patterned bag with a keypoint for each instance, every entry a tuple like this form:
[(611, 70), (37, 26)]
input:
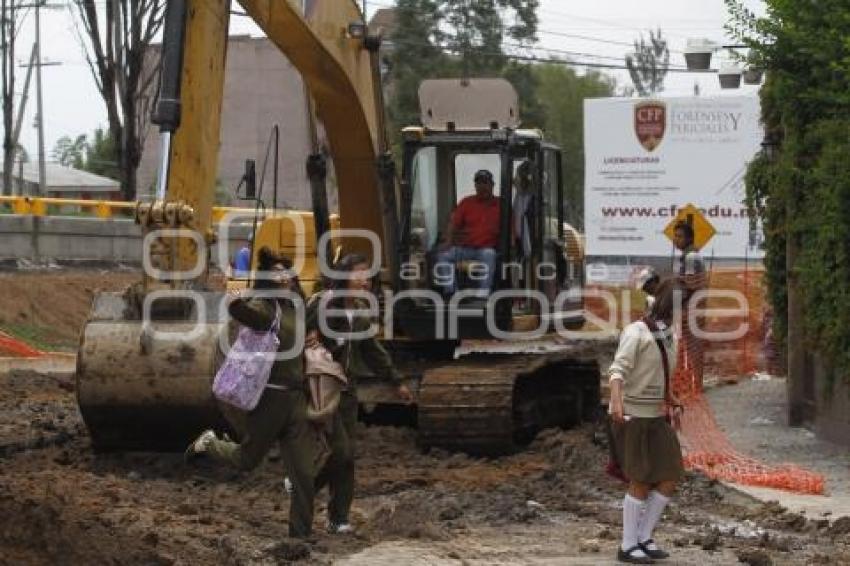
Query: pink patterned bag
[(243, 376)]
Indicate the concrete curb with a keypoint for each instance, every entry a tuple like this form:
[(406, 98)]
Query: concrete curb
[(50, 363), (812, 506)]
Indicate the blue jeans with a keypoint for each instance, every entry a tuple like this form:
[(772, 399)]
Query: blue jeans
[(481, 278)]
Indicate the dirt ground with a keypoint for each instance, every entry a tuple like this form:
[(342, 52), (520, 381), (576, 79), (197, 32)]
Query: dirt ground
[(60, 503)]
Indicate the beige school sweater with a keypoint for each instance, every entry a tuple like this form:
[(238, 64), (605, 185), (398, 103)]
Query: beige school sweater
[(638, 363)]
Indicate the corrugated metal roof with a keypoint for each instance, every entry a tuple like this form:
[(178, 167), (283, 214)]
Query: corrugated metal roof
[(61, 178)]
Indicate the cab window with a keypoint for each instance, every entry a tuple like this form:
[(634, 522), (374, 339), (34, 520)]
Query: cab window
[(465, 167)]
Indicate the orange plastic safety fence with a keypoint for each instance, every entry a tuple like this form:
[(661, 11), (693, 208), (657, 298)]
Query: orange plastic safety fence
[(708, 450), (15, 348), (706, 446)]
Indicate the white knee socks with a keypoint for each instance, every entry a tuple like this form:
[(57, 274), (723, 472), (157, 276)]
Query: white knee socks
[(633, 509), (655, 504)]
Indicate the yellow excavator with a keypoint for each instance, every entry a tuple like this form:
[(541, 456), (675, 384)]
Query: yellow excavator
[(147, 356)]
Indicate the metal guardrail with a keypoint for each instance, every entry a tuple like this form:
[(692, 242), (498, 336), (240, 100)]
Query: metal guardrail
[(39, 206)]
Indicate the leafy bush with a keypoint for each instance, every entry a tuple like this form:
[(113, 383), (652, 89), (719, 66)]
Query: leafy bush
[(804, 194)]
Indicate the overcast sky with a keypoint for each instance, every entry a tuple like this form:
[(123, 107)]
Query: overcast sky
[(599, 31)]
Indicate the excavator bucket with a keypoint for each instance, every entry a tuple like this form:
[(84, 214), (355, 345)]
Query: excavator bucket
[(147, 385)]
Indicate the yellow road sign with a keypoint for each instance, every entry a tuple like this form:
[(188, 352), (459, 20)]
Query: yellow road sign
[(703, 230)]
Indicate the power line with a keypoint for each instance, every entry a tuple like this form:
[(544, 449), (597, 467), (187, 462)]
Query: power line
[(536, 59), (592, 65), (617, 24), (575, 53), (561, 34), (550, 32)]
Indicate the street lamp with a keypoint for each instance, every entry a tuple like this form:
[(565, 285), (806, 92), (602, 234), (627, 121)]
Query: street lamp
[(770, 144), (730, 75), (698, 54), (357, 29), (698, 58)]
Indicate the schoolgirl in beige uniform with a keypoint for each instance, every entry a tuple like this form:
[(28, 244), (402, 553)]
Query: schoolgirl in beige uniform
[(647, 446)]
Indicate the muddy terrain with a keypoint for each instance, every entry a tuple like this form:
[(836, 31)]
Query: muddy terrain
[(62, 504)]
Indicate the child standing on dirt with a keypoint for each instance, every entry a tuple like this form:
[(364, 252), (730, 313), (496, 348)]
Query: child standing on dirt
[(359, 357), (647, 445)]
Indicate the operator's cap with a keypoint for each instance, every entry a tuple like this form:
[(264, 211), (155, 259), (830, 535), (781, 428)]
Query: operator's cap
[(483, 175), (646, 275)]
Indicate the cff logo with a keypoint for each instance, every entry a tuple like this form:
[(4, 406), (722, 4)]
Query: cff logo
[(650, 123)]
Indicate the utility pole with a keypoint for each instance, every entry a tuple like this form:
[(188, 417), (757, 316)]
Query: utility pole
[(16, 135), (19, 120), (42, 168), (35, 61)]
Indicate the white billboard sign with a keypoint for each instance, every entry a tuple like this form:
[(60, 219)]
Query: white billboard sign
[(647, 158)]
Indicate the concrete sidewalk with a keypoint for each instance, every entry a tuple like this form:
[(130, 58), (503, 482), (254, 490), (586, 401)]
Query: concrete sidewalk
[(752, 414)]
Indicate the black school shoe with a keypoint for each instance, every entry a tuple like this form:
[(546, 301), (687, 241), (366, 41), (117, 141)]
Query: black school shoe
[(656, 553), (628, 556)]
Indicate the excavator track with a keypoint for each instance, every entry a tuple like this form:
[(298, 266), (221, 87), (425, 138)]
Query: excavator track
[(493, 404), (468, 406)]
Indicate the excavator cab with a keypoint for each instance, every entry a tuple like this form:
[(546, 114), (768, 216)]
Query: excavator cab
[(468, 126)]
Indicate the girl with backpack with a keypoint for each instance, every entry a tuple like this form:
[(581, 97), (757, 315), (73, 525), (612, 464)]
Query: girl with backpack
[(281, 414)]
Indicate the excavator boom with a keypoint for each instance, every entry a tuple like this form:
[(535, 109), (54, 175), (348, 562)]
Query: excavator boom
[(336, 63), (148, 355)]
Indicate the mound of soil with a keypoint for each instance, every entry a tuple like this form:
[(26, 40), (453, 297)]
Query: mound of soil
[(47, 309)]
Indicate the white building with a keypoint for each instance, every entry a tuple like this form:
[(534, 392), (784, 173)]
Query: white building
[(64, 182)]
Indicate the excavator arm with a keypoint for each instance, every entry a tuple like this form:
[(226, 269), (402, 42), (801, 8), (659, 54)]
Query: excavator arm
[(338, 68), (144, 368)]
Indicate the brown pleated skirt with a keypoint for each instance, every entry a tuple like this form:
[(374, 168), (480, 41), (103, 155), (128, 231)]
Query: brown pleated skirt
[(648, 450)]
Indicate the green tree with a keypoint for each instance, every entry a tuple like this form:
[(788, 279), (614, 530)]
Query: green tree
[(101, 155), (460, 38), (649, 63), (803, 192), (477, 30), (71, 152), (416, 56), (562, 93), (524, 79), (96, 155)]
